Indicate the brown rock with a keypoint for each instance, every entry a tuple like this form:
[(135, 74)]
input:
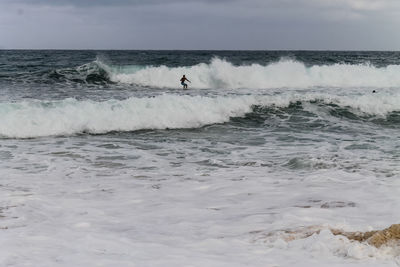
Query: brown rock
[(357, 236), (374, 238), (385, 236)]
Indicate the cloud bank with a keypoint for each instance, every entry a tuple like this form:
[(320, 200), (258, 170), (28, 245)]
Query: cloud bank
[(200, 24)]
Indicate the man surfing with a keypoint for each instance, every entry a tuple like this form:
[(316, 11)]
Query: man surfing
[(183, 79)]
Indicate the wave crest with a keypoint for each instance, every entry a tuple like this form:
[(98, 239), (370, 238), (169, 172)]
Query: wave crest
[(70, 116), (220, 73), (67, 117)]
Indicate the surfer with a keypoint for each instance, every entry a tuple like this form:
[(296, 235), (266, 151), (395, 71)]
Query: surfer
[(183, 79)]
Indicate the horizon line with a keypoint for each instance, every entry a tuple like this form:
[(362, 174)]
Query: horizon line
[(141, 49)]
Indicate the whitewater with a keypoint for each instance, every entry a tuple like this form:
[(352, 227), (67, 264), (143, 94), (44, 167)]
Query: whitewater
[(106, 161), (220, 73), (30, 119)]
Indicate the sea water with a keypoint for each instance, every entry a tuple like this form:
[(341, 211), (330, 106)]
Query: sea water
[(106, 161)]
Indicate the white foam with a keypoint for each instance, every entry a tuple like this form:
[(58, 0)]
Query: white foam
[(325, 244), (151, 201), (285, 73), (33, 119), (362, 103), (70, 116)]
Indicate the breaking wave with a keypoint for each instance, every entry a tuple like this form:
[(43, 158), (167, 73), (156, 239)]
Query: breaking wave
[(285, 73), (68, 117), (221, 74)]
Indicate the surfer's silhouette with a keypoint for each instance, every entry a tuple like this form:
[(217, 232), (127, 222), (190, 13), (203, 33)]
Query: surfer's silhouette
[(183, 79)]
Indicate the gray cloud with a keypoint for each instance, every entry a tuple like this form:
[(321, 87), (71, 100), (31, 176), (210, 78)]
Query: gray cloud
[(200, 24), (96, 3)]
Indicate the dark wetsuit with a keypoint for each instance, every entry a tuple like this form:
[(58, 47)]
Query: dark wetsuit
[(183, 82)]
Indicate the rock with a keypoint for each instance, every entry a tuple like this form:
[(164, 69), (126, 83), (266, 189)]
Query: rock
[(379, 238), (374, 238), (357, 236), (385, 236)]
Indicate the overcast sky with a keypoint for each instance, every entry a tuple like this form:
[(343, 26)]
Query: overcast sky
[(201, 24)]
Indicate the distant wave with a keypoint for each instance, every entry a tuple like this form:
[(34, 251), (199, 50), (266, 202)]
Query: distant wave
[(68, 117), (91, 73), (285, 73)]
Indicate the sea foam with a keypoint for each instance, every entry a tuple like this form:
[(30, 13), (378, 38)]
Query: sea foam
[(34, 119), (220, 73), (168, 111)]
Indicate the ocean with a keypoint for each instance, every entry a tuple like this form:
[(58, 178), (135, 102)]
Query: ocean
[(107, 161)]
